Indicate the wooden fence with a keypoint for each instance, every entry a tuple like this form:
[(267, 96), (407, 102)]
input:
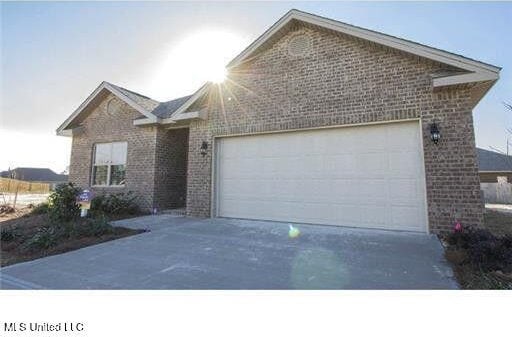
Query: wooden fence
[(22, 187)]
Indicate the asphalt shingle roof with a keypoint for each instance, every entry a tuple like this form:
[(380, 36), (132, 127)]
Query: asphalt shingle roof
[(493, 161), (34, 174), (159, 109), (166, 109)]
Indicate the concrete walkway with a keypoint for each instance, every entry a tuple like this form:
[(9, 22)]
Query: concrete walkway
[(189, 253), (506, 208)]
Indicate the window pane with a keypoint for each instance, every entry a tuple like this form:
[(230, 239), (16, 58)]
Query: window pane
[(102, 154), (99, 175), (117, 173), (119, 153)]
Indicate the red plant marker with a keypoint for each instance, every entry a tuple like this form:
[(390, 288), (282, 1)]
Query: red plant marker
[(457, 227)]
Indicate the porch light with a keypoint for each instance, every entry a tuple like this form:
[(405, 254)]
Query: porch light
[(435, 135), (204, 148)]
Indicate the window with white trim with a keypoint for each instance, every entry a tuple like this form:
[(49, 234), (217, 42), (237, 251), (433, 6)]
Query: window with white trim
[(109, 164)]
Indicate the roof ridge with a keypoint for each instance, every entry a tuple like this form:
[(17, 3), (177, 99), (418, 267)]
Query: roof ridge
[(393, 36), (130, 91)]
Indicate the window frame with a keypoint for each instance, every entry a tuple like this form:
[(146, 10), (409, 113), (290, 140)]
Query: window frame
[(109, 165)]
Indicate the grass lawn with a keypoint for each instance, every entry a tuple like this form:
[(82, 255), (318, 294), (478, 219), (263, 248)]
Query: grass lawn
[(27, 236), (499, 223), (490, 250)]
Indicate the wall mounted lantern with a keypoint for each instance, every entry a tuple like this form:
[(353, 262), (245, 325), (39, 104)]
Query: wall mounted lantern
[(435, 135), (204, 148)]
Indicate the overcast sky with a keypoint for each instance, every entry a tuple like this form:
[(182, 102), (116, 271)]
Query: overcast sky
[(55, 54)]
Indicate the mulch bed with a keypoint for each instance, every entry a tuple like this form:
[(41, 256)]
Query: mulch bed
[(470, 275), (27, 225)]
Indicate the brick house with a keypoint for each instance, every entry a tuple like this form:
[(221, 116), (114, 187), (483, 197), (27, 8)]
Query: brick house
[(318, 122)]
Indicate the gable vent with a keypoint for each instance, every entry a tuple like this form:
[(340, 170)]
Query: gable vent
[(299, 45)]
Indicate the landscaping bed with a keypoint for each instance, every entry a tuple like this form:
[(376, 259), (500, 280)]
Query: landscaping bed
[(482, 258), (48, 229)]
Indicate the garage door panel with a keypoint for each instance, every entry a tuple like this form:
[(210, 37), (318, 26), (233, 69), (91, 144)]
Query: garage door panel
[(368, 176), (399, 138), (374, 215), (405, 190), (371, 163), (341, 165), (405, 217), (404, 163), (374, 189), (348, 214)]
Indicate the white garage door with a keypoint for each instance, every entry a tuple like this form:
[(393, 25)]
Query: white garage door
[(364, 176)]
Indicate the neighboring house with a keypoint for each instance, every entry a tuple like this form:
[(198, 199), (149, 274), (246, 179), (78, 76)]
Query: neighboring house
[(320, 122), (495, 170), (492, 165), (35, 174)]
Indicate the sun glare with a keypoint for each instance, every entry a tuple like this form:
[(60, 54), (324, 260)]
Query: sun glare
[(196, 59)]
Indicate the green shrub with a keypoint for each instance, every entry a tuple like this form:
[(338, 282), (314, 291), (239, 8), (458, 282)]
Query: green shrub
[(9, 234), (45, 238), (97, 227), (41, 208), (115, 204), (67, 229), (62, 204), (86, 227)]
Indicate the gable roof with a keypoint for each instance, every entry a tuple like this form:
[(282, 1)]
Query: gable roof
[(166, 109), (472, 71), (152, 110), (493, 161), (33, 174), (477, 71), (145, 102)]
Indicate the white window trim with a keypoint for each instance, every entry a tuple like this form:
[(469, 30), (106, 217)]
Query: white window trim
[(109, 166)]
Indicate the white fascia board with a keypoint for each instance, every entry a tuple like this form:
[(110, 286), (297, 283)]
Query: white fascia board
[(65, 133), (187, 116), (379, 38), (181, 110), (510, 171), (117, 93), (130, 102), (480, 76), (262, 39), (147, 121), (168, 121), (60, 129), (71, 132)]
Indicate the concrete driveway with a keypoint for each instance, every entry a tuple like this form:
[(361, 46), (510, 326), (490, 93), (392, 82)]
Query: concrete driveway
[(189, 253)]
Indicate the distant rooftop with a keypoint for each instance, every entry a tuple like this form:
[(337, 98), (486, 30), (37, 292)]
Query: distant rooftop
[(33, 174), (493, 161)]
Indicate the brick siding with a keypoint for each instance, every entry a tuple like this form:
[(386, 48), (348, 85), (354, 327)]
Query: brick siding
[(112, 120), (171, 168), (341, 81)]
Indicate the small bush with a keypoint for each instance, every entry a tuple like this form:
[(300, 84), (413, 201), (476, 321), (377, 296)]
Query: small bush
[(469, 237), (483, 249), (87, 227), (42, 208), (8, 234), (62, 204), (97, 227), (45, 238), (115, 204)]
